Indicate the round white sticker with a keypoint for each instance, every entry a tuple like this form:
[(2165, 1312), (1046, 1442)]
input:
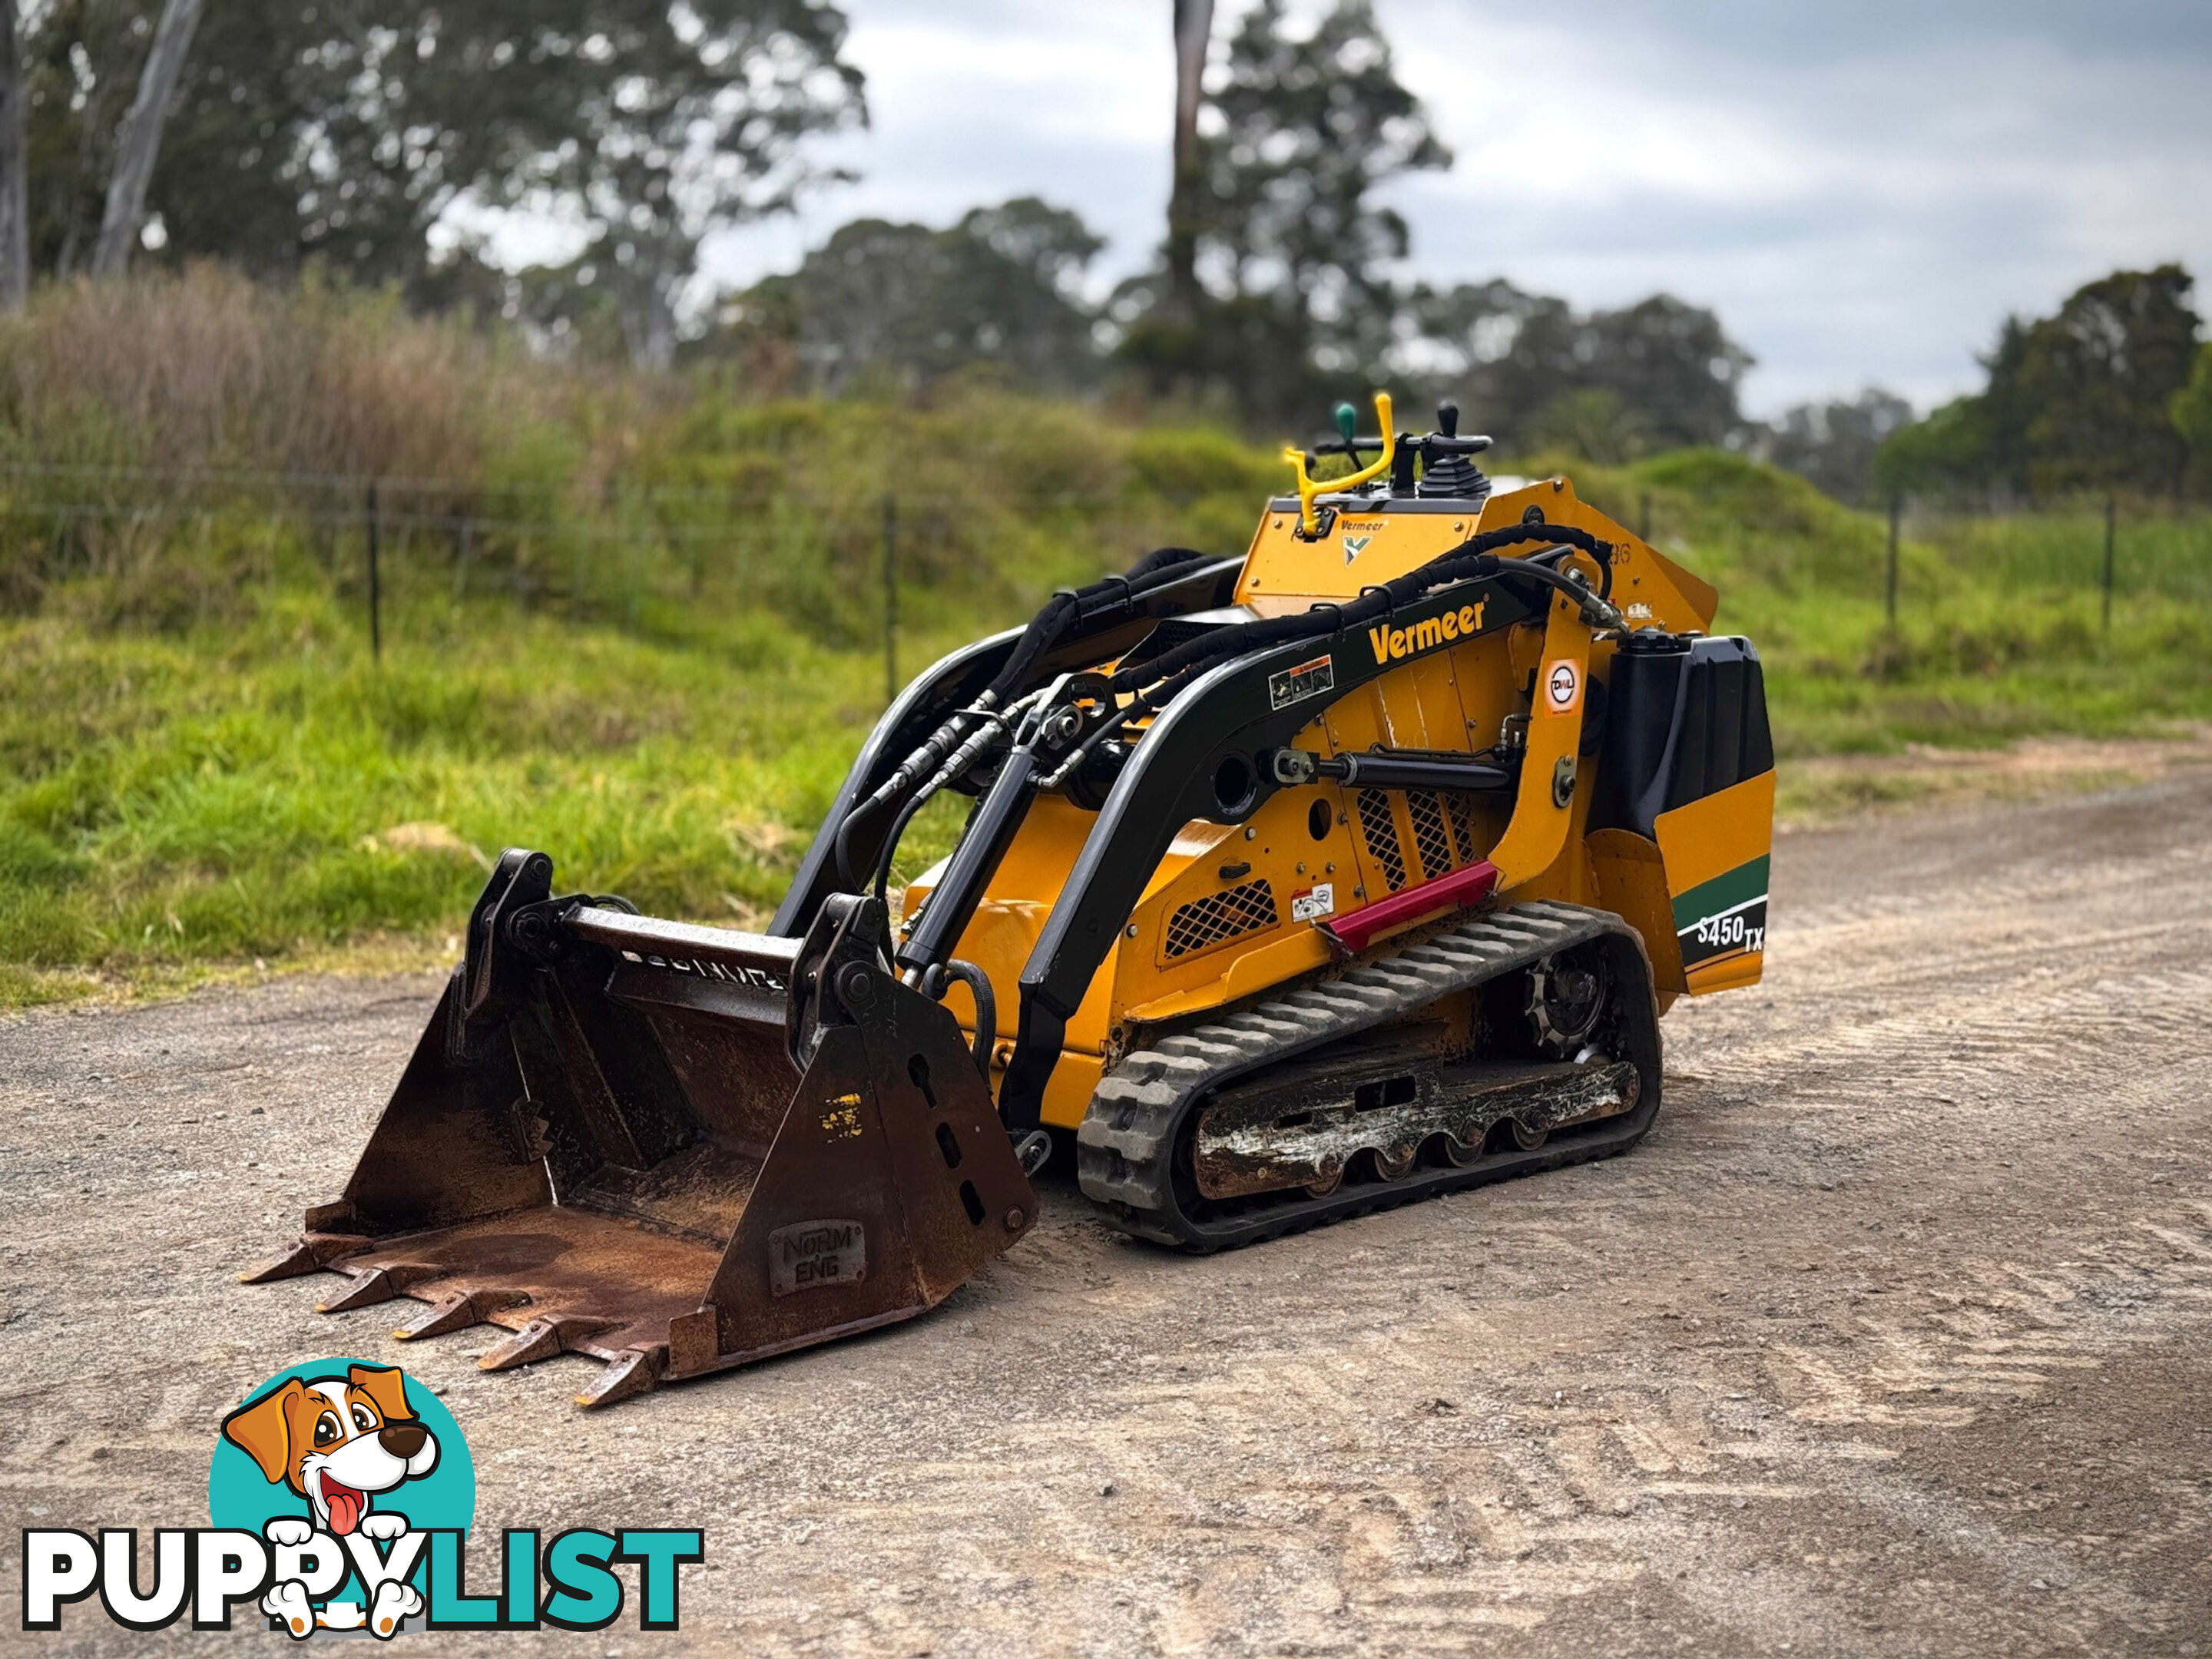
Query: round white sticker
[(1561, 685)]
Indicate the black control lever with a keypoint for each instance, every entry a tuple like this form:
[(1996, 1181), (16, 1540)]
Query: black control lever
[(1446, 471), (1446, 440)]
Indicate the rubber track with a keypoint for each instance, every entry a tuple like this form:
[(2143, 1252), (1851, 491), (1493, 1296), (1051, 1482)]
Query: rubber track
[(1125, 1148)]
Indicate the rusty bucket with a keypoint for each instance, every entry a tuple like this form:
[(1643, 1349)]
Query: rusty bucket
[(673, 1148)]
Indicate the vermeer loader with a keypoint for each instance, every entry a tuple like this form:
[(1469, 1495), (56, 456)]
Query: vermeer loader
[(1350, 872)]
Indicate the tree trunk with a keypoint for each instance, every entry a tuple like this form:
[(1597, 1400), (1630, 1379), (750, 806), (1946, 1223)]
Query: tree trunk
[(141, 141), (645, 294), (1194, 29), (14, 186)]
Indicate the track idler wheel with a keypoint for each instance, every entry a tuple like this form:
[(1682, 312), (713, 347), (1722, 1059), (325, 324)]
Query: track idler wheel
[(1394, 1163)]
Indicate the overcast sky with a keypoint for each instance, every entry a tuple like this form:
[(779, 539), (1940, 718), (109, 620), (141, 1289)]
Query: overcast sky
[(1861, 192)]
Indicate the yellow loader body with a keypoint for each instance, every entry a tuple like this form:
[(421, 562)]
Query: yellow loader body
[(1216, 925)]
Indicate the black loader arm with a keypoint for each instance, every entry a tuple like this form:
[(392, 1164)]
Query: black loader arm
[(949, 683), (952, 683)]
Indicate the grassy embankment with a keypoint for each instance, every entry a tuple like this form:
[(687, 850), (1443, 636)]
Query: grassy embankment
[(652, 650)]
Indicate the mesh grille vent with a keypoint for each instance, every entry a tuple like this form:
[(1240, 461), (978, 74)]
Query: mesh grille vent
[(1381, 830), (1208, 921), (1461, 806), (1432, 840)]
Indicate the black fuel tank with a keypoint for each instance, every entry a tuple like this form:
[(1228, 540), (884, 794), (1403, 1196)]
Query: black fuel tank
[(1685, 717)]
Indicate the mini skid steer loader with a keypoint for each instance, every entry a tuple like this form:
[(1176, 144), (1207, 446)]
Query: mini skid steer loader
[(1346, 873)]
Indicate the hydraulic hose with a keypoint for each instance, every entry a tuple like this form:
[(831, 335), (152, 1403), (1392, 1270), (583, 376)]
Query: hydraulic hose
[(1551, 557), (1161, 568), (961, 760), (1156, 681), (926, 758), (938, 979), (914, 803), (1474, 557)]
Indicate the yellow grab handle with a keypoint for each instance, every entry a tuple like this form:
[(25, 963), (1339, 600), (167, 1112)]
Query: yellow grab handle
[(1545, 803), (1309, 520)]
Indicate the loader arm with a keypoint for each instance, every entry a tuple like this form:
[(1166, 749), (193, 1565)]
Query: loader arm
[(952, 683)]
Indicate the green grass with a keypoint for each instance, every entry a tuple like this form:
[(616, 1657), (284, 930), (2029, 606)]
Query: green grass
[(2000, 633), (223, 777), (226, 795)]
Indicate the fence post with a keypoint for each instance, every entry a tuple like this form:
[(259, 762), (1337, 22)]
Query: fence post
[(890, 600), (375, 585), (1889, 591), (462, 539), (2110, 511)]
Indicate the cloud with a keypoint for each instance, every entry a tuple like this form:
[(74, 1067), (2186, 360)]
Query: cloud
[(1861, 193), (974, 103)]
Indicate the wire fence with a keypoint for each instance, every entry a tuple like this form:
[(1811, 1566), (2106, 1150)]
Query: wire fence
[(2115, 546), (1912, 551), (848, 562), (454, 507), (861, 557)]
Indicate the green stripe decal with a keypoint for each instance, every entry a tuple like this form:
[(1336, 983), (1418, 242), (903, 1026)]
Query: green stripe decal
[(1710, 898)]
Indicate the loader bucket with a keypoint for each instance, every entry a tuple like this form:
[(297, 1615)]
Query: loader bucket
[(673, 1148)]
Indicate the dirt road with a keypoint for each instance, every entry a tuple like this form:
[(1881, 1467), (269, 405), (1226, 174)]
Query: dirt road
[(1894, 1338)]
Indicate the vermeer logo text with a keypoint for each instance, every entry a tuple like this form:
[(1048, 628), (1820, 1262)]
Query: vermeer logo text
[(1390, 644)]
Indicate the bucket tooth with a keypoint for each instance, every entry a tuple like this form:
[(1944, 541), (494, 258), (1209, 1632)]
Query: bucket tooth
[(312, 1254), (541, 1338), (632, 1373), (366, 1290), (292, 1264), (449, 1314), (376, 1285)]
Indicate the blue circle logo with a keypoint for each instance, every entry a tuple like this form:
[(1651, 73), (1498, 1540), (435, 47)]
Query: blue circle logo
[(334, 1461)]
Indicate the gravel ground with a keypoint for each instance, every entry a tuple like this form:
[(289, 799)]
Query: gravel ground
[(1892, 1339)]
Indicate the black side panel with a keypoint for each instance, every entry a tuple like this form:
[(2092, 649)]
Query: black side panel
[(1724, 736), (1687, 720)]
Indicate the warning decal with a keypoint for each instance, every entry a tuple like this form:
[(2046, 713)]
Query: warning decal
[(1307, 679)]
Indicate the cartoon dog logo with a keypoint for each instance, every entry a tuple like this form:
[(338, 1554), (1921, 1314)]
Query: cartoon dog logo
[(338, 1442)]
